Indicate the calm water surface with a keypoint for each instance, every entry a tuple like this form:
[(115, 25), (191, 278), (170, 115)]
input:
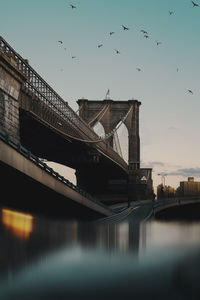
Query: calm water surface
[(45, 258)]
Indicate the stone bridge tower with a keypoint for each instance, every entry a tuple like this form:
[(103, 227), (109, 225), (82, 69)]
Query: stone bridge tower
[(139, 180), (115, 112)]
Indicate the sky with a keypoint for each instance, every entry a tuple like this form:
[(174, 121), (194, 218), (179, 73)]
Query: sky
[(169, 113)]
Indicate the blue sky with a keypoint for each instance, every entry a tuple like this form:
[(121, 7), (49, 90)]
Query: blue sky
[(169, 114)]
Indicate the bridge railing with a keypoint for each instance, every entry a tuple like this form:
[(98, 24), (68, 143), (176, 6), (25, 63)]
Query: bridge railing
[(36, 160), (40, 88)]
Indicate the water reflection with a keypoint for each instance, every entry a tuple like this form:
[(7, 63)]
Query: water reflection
[(164, 235), (42, 258)]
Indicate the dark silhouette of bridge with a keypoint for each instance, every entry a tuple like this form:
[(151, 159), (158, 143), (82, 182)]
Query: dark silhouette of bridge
[(35, 115)]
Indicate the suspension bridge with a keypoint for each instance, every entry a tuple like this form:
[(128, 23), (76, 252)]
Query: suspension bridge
[(35, 115)]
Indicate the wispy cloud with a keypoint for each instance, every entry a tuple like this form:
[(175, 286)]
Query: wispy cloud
[(152, 164), (157, 163), (172, 128), (185, 172)]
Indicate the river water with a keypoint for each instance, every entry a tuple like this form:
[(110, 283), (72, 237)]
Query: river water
[(48, 258)]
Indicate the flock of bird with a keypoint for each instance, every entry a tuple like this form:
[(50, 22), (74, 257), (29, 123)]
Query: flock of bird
[(124, 28)]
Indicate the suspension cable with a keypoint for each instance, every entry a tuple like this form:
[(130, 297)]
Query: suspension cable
[(108, 135), (104, 110), (117, 144)]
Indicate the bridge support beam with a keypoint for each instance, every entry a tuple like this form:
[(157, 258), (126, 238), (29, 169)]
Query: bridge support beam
[(11, 80)]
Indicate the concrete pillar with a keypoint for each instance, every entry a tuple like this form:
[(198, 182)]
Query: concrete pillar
[(11, 80)]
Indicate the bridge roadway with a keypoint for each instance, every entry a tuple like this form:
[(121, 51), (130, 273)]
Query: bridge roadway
[(28, 183)]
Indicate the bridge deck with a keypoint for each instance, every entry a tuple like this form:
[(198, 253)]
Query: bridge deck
[(16, 156)]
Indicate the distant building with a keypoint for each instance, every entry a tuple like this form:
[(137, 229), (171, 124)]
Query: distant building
[(188, 188), (165, 191)]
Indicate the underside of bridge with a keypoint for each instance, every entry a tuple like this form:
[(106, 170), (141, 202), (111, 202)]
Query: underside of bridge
[(95, 173), (29, 195)]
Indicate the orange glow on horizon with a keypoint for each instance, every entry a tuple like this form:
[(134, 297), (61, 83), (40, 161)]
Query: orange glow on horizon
[(20, 224)]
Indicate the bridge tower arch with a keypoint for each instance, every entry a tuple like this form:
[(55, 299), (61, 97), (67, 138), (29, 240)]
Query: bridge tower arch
[(112, 114)]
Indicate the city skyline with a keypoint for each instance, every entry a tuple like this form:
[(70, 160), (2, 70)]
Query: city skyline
[(74, 50)]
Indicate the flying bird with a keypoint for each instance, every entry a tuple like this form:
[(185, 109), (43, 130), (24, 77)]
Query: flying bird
[(138, 69), (60, 42), (171, 12), (99, 46), (73, 56), (145, 32), (194, 4), (117, 51), (112, 32), (125, 28), (146, 36), (191, 92), (158, 43), (72, 6)]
